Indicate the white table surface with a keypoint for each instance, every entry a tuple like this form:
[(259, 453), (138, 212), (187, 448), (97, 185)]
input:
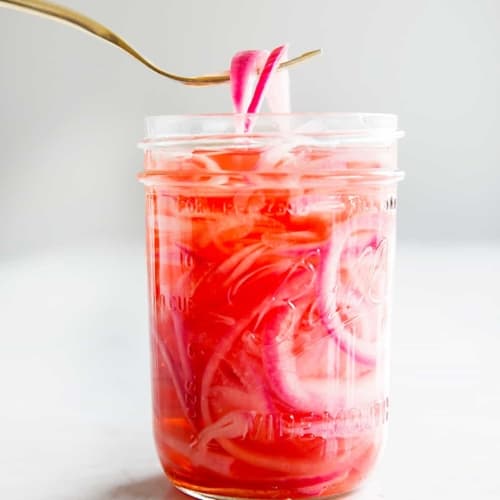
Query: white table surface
[(74, 378)]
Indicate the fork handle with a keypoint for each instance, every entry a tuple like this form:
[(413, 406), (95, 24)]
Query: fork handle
[(75, 19)]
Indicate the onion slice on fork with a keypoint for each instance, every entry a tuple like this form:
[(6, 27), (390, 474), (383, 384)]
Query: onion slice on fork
[(271, 84), (243, 72), (265, 78)]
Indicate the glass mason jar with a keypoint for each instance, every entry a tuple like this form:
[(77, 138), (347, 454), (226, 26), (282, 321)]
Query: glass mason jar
[(269, 257)]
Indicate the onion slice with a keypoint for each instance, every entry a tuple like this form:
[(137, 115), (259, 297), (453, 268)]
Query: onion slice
[(354, 232), (307, 394), (278, 91), (244, 68), (265, 76)]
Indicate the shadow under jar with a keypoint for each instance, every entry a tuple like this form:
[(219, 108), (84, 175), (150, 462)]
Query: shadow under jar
[(269, 258)]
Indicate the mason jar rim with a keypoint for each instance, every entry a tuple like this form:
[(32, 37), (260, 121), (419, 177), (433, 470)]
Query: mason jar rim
[(340, 127)]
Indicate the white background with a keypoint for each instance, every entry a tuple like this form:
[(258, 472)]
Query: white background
[(74, 393)]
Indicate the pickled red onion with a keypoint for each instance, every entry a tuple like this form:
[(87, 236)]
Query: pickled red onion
[(244, 67), (362, 350), (316, 394), (278, 91), (265, 77), (216, 462)]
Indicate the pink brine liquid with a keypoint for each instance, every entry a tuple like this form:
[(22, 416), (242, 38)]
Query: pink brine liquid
[(269, 317)]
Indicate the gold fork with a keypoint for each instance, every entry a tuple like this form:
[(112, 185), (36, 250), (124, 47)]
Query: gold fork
[(69, 16)]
